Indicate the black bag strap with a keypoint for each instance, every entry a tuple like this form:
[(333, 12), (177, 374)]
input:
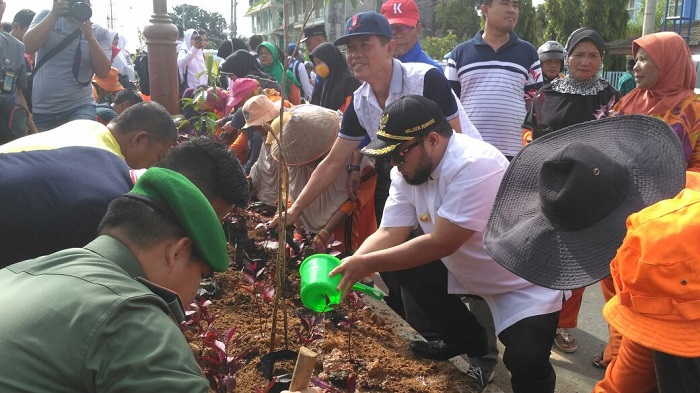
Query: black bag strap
[(76, 66), (61, 45)]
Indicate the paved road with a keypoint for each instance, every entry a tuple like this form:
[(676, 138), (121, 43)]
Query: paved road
[(575, 373)]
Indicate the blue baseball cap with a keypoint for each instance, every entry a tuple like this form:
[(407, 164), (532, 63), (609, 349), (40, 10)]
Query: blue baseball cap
[(365, 23)]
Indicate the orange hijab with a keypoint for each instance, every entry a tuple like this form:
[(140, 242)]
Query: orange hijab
[(676, 82)]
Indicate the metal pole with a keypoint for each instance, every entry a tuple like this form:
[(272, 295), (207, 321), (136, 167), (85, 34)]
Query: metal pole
[(649, 17), (234, 27)]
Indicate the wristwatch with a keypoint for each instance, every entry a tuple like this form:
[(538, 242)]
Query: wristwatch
[(352, 168)]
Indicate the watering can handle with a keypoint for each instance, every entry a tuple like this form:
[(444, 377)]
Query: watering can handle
[(373, 292)]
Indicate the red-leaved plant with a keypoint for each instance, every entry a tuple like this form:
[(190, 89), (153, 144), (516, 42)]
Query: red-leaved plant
[(311, 329), (260, 287), (352, 318), (221, 356)]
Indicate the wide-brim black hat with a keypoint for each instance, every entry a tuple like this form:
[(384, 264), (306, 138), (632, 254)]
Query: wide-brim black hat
[(558, 219)]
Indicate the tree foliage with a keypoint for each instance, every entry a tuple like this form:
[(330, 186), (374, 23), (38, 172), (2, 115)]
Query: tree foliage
[(634, 26), (563, 17), (527, 28), (193, 17), (437, 47), (541, 22), (458, 17), (609, 18)]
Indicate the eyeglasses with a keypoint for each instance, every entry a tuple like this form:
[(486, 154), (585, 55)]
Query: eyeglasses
[(401, 29), (398, 157)]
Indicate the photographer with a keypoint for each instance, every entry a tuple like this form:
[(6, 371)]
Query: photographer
[(15, 118), (190, 60), (76, 48)]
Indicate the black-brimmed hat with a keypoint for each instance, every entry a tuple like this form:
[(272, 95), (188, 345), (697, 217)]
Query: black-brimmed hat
[(560, 212), (314, 30), (409, 117)]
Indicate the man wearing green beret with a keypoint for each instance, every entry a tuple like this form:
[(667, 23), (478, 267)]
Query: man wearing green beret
[(105, 317)]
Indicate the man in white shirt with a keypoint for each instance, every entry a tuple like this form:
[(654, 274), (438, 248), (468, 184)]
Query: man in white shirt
[(446, 183)]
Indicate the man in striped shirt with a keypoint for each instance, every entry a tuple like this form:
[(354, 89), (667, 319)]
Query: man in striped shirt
[(494, 75)]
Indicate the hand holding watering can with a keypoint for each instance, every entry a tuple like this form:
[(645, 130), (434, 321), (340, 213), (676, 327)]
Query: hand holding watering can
[(325, 281)]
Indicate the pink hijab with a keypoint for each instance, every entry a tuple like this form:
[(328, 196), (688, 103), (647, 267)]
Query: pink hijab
[(676, 82)]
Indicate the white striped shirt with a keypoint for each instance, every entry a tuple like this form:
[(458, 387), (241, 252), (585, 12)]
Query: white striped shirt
[(492, 87)]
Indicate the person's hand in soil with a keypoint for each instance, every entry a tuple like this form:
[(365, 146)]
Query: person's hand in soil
[(353, 269), (289, 218)]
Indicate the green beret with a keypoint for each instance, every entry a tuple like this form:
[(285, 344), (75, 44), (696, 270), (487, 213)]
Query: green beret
[(192, 210)]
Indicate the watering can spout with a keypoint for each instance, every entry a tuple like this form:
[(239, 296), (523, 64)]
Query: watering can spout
[(373, 292)]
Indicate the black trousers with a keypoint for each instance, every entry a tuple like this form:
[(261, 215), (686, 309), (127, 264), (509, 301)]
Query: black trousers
[(675, 374), (528, 344), (429, 309), (451, 319)]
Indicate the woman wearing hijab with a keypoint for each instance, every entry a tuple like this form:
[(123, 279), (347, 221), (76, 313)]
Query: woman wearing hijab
[(338, 82), (269, 57), (665, 76), (190, 60), (578, 97), (242, 64)]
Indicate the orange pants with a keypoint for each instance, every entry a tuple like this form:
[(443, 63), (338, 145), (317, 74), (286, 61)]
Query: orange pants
[(631, 371), (568, 317), (362, 221), (613, 346)]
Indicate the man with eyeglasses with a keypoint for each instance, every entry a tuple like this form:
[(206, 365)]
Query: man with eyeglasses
[(370, 50), (436, 172), (405, 24)]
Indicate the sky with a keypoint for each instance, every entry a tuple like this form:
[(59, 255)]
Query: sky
[(130, 15)]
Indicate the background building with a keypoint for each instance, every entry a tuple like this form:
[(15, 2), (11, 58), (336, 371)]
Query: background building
[(267, 18)]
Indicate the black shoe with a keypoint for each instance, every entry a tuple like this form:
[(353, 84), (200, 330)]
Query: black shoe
[(437, 350), (480, 376)]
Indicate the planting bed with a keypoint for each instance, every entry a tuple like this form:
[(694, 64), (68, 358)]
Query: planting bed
[(359, 344)]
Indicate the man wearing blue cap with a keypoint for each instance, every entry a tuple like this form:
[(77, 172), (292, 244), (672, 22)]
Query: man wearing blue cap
[(370, 55), (105, 317), (370, 50)]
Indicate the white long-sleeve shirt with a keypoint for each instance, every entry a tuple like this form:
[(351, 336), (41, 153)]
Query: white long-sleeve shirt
[(191, 59)]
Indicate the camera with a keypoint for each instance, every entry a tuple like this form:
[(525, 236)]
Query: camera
[(198, 39), (80, 10)]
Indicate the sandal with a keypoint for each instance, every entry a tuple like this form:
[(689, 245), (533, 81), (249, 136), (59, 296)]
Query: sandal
[(565, 341), (598, 361)]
